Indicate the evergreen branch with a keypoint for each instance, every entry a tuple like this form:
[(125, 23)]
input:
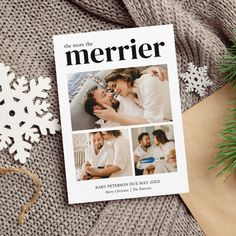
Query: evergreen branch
[(225, 159), (227, 64)]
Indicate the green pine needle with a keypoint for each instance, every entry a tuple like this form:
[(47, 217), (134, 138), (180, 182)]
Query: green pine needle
[(225, 159), (227, 64)]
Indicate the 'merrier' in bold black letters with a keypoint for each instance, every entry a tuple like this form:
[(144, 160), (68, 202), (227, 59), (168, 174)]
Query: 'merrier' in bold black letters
[(98, 55)]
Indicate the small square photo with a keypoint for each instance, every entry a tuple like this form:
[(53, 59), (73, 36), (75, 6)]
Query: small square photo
[(154, 150), (102, 154)]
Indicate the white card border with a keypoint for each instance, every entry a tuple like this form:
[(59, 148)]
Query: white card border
[(83, 191)]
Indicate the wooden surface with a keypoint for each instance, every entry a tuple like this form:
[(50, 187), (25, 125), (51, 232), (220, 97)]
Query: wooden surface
[(211, 200)]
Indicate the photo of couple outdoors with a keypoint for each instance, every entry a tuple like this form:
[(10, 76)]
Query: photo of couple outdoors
[(119, 97), (102, 155), (154, 152)]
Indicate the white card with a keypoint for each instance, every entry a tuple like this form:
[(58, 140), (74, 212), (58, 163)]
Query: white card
[(120, 114)]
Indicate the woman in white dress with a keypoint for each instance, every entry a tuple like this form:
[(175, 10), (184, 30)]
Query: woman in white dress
[(121, 165), (149, 89)]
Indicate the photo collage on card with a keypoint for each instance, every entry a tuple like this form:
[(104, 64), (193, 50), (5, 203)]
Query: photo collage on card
[(122, 122)]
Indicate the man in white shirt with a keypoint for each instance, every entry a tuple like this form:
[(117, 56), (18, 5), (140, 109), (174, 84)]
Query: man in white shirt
[(97, 98), (164, 150), (121, 165), (99, 154), (142, 151)]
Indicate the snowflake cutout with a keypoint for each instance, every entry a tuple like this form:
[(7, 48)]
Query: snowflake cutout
[(196, 79), (24, 113)]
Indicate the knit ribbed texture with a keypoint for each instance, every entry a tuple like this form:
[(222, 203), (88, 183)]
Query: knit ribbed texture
[(146, 216), (27, 27), (112, 10)]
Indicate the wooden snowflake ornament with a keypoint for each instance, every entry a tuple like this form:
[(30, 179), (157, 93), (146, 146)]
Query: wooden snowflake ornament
[(24, 113)]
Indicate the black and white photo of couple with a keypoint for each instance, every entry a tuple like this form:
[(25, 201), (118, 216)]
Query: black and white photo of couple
[(154, 152), (102, 155), (119, 97)]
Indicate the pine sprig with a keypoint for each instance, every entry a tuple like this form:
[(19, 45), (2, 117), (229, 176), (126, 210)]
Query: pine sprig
[(227, 64), (225, 159)]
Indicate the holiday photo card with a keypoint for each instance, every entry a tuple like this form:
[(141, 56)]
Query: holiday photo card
[(120, 114)]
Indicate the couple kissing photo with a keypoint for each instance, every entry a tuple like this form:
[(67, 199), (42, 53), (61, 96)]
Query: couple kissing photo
[(119, 97)]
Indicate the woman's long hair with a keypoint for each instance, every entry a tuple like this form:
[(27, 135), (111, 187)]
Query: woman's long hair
[(127, 74), (160, 136), (115, 133)]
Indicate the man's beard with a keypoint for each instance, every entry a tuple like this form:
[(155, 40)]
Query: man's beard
[(115, 104), (147, 145), (99, 147)]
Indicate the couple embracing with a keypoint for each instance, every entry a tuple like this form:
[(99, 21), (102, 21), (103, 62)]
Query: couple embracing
[(133, 96)]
